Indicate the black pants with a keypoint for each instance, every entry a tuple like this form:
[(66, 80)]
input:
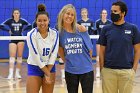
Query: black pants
[(86, 80)]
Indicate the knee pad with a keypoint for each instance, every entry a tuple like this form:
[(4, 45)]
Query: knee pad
[(12, 60), (19, 59)]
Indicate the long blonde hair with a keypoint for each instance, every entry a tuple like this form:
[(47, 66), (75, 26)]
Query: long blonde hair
[(61, 14)]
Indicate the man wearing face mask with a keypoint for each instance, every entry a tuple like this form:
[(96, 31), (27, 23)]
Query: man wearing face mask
[(119, 52)]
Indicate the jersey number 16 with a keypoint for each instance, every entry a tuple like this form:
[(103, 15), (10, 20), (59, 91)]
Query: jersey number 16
[(46, 51)]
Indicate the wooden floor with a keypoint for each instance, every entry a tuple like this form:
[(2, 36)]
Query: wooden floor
[(18, 86)]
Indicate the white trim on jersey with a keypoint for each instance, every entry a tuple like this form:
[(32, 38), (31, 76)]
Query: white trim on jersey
[(3, 23), (37, 47)]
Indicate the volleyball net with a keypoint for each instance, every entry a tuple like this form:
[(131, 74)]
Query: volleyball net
[(4, 45), (25, 37), (13, 37)]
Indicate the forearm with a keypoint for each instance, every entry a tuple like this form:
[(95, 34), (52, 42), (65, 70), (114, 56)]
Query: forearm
[(62, 57), (136, 60), (136, 56), (102, 56), (46, 70), (101, 61), (90, 53), (4, 28), (61, 53)]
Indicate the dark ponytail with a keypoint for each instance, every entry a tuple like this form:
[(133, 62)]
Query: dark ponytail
[(41, 8)]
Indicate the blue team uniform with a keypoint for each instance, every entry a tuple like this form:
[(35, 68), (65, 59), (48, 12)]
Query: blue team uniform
[(89, 24), (16, 28), (99, 25)]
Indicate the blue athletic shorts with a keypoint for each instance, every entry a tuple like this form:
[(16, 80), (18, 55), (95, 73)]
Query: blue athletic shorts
[(36, 71)]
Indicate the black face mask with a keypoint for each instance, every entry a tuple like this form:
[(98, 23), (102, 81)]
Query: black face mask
[(115, 17)]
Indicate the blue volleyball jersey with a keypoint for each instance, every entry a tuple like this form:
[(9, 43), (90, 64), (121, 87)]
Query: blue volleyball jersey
[(16, 28), (89, 24), (76, 48), (99, 25), (119, 41)]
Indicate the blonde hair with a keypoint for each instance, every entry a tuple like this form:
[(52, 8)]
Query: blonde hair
[(61, 14)]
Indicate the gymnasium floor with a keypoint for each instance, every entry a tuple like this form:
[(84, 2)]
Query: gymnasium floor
[(18, 86)]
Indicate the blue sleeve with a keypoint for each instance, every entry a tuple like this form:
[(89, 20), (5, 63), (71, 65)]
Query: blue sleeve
[(7, 22), (25, 22), (102, 38), (27, 25), (4, 28), (53, 55), (6, 25), (136, 37), (87, 40), (79, 22)]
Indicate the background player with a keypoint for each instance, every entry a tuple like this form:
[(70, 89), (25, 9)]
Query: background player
[(99, 24), (16, 25), (85, 21)]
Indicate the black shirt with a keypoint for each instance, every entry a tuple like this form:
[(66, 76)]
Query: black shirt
[(119, 41), (99, 25), (16, 28), (89, 24)]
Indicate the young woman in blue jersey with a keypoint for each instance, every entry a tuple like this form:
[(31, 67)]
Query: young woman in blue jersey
[(15, 25), (85, 21), (99, 24), (119, 52), (43, 46), (76, 51)]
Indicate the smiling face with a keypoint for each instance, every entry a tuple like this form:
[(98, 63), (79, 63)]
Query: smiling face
[(42, 22), (68, 16)]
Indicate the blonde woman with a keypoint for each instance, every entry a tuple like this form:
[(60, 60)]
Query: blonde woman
[(76, 51)]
